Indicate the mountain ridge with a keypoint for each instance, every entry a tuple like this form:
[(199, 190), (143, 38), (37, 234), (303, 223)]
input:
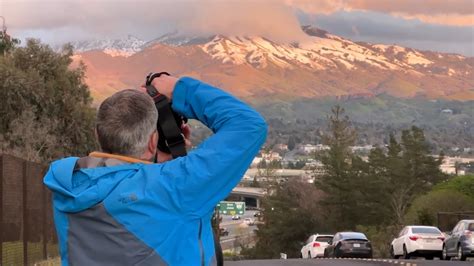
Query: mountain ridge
[(253, 67)]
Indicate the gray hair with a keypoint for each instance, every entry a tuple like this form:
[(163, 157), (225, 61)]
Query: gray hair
[(125, 122)]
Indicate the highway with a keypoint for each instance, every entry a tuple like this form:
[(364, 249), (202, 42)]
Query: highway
[(237, 228), (347, 262)]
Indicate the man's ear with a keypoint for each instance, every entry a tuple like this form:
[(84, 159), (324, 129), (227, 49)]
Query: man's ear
[(153, 142)]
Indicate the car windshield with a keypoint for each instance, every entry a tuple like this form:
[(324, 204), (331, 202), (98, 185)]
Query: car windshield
[(353, 236), (324, 239), (425, 230), (470, 227)]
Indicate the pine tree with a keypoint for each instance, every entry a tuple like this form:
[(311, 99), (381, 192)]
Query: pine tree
[(337, 180)]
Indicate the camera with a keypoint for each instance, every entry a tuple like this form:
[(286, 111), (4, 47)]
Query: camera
[(169, 122)]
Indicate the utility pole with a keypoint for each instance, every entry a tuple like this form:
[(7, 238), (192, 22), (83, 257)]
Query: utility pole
[(4, 27)]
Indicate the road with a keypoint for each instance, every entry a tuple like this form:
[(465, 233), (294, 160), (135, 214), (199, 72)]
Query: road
[(347, 262), (237, 228)]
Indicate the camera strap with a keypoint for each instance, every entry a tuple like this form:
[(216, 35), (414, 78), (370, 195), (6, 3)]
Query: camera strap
[(167, 126)]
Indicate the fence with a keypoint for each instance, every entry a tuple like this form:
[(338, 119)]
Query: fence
[(447, 220), (27, 233)]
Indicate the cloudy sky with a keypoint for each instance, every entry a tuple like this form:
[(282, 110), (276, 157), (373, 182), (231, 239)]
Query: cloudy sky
[(440, 25)]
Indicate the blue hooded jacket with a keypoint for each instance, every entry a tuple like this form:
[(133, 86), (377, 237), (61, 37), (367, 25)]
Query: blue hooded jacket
[(156, 214)]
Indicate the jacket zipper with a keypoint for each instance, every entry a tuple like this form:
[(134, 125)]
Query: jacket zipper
[(201, 248)]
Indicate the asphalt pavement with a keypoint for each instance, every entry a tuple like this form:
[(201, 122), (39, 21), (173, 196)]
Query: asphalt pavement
[(347, 262), (237, 227)]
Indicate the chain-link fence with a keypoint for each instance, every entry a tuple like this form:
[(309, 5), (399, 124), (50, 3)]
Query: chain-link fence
[(447, 220), (27, 233)]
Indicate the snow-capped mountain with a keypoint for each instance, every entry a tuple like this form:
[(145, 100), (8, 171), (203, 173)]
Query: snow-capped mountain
[(176, 39), (251, 66), (119, 47)]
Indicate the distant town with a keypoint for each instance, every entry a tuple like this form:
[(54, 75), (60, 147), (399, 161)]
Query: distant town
[(302, 162)]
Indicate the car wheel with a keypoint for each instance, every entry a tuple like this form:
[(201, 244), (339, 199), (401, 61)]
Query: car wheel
[(461, 257), (405, 253), (337, 251), (444, 255), (392, 253)]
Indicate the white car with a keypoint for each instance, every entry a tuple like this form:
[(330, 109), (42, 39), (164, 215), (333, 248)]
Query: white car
[(315, 246), (419, 241), (249, 221)]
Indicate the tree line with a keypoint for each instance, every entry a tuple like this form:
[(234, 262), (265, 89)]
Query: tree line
[(376, 195)]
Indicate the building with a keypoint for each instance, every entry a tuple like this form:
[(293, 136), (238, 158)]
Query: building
[(280, 147), (271, 156), (310, 148), (450, 164)]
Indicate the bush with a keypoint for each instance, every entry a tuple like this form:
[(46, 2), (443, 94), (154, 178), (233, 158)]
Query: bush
[(462, 184), (424, 209), (380, 237)]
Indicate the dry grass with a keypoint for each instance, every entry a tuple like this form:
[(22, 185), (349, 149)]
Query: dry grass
[(50, 262), (12, 253)]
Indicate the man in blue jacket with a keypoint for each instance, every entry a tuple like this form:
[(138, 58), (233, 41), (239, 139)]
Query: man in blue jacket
[(115, 207)]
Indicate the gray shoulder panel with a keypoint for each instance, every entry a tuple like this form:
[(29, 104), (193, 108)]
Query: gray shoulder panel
[(95, 238)]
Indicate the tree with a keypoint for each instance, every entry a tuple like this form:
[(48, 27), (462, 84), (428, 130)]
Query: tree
[(338, 176), (7, 43), (45, 109), (255, 182), (291, 143), (268, 169), (411, 170), (289, 217)]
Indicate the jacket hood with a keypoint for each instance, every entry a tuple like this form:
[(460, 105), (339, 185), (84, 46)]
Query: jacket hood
[(76, 188)]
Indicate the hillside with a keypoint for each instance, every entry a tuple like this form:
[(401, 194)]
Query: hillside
[(256, 68)]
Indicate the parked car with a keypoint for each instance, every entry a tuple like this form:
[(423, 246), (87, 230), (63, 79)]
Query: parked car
[(349, 244), (460, 242), (257, 214), (315, 245), (419, 241), (223, 231), (249, 221), (235, 217)]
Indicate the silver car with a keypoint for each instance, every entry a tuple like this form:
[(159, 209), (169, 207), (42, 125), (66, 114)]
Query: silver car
[(460, 242)]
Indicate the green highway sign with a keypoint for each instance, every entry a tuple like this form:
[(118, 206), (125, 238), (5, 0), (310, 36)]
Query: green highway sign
[(231, 207)]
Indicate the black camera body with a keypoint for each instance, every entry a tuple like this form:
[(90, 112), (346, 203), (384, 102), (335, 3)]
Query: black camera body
[(169, 124)]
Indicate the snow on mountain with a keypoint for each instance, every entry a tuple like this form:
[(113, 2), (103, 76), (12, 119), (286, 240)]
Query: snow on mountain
[(321, 51), (176, 39), (120, 47), (322, 65)]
